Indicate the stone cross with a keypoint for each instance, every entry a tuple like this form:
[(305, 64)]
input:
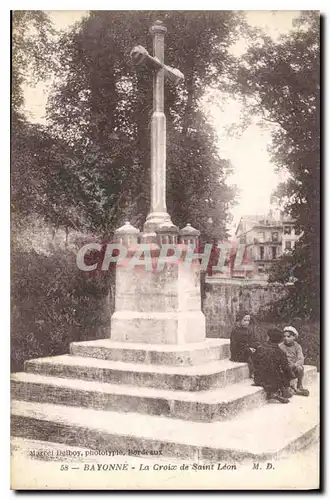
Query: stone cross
[(158, 216)]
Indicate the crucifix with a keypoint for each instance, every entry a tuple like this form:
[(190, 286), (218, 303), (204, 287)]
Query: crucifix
[(158, 215)]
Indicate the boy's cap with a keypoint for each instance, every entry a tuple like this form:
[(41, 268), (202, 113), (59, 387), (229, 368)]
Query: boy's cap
[(292, 330)]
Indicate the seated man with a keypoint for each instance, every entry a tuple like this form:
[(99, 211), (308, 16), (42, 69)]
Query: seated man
[(272, 370), (295, 357)]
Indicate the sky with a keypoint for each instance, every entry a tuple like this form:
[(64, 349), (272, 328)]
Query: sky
[(254, 174)]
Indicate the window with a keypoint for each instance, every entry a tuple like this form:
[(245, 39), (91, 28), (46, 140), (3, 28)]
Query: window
[(242, 240), (274, 252), (261, 237), (275, 236), (296, 231), (287, 229), (262, 253), (288, 245)]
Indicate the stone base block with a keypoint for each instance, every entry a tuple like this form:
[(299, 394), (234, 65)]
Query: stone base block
[(158, 327), (161, 305)]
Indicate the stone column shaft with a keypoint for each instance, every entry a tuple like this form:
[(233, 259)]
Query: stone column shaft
[(158, 129), (158, 213)]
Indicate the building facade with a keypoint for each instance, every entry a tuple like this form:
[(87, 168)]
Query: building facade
[(266, 239)]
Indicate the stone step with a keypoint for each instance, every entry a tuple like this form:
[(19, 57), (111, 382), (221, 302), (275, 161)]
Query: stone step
[(181, 378), (262, 433), (156, 354), (211, 405), (215, 404)]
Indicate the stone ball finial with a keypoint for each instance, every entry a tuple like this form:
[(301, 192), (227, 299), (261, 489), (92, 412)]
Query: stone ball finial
[(188, 230), (189, 235), (127, 234), (158, 27), (127, 228)]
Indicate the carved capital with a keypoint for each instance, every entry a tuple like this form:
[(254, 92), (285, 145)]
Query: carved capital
[(158, 27)]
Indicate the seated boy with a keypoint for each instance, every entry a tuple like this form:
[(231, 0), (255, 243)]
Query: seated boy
[(243, 341), (295, 357), (272, 370)]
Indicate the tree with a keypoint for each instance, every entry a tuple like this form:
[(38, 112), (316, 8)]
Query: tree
[(31, 146), (32, 33), (280, 81), (44, 180), (101, 106)]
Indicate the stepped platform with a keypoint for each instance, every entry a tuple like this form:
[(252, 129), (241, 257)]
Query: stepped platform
[(262, 433), (179, 401), (215, 404)]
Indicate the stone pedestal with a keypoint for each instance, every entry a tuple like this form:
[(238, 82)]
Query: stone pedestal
[(158, 306)]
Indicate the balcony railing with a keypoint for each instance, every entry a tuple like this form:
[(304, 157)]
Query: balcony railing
[(257, 241)]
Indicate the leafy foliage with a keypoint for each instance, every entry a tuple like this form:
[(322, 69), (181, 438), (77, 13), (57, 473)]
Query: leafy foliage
[(280, 81), (102, 106), (32, 33), (53, 304), (42, 180), (89, 169)]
